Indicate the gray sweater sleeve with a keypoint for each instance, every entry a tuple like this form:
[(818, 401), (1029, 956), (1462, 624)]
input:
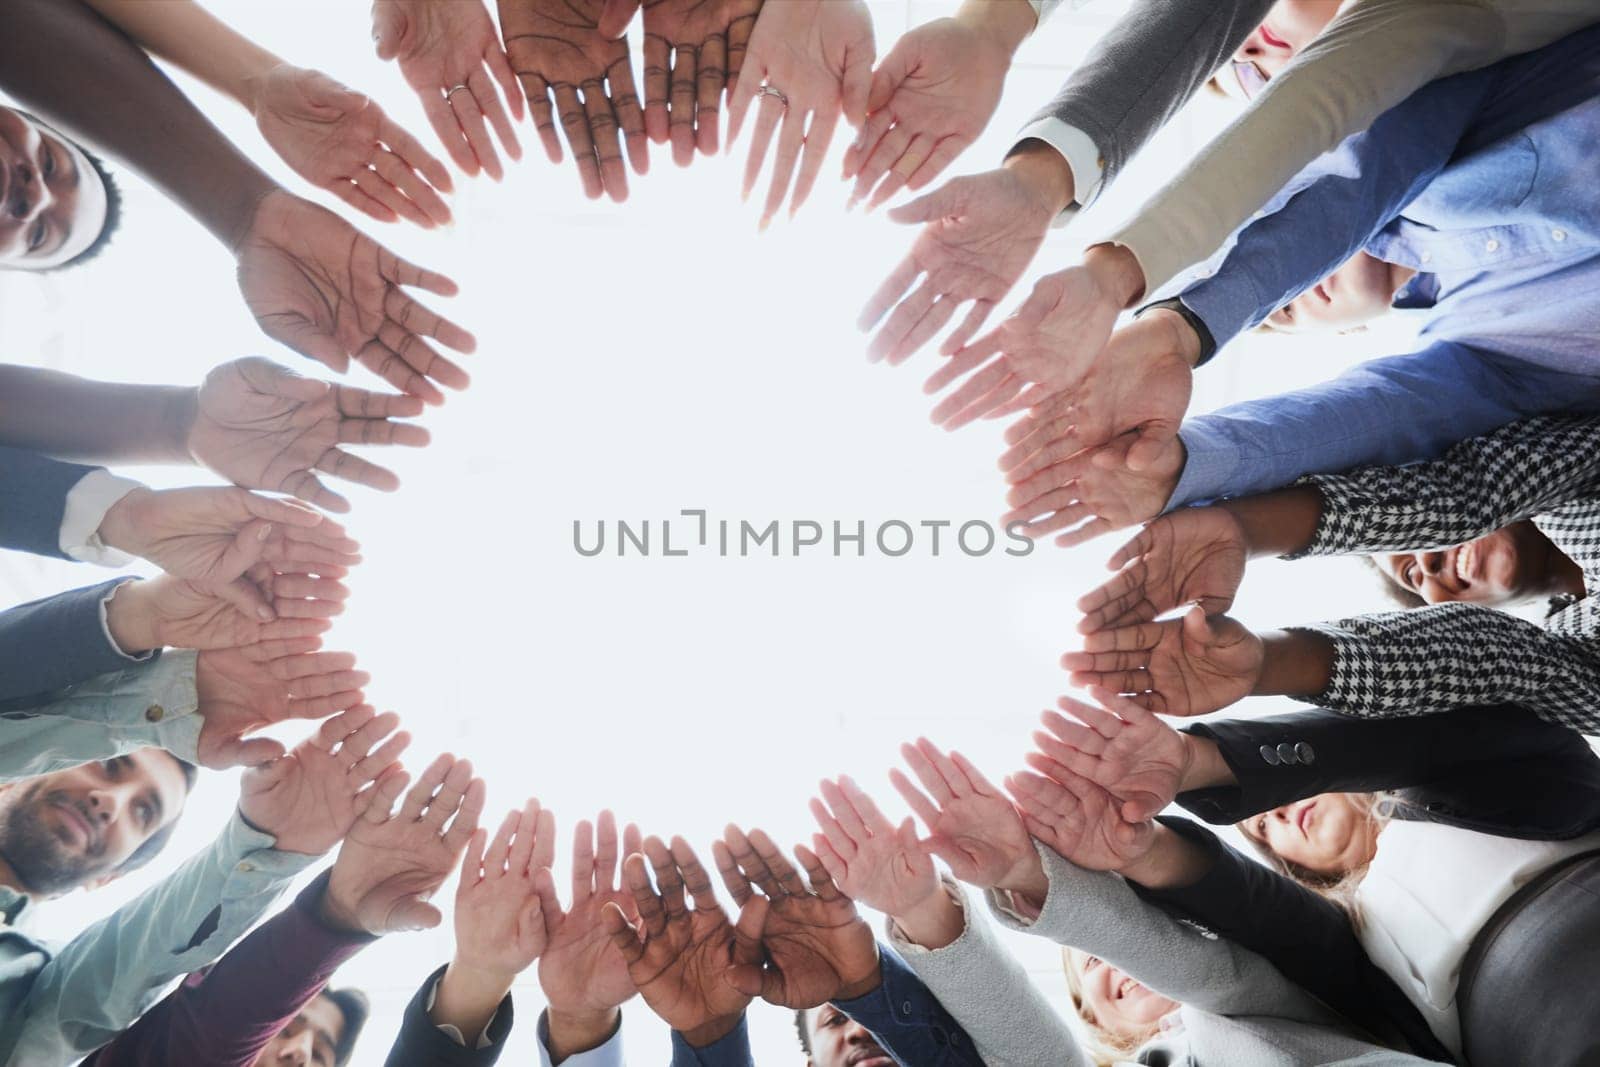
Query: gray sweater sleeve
[(1147, 67), (989, 994)]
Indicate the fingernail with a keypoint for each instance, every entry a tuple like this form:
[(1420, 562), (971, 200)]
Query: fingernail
[(264, 613), (265, 532)]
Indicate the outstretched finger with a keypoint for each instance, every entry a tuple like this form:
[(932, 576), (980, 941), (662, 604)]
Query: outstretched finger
[(695, 879), (537, 92), (819, 133), (732, 879)]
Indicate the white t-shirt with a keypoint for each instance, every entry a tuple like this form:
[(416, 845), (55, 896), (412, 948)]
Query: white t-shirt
[(1428, 892)]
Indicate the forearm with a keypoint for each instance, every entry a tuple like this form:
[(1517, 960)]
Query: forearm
[(1278, 523), (566, 1034), (186, 34), (1295, 663), (467, 998), (66, 64), (74, 418), (1172, 861), (1006, 22)]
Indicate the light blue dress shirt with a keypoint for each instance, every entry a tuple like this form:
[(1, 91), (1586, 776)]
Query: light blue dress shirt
[(1485, 183)]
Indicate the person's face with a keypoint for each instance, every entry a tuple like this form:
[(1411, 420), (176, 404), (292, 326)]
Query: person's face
[(1361, 290), (839, 1041), (1329, 834), (1288, 28), (1498, 568), (309, 1040), (52, 201), (1120, 1005), (75, 828)]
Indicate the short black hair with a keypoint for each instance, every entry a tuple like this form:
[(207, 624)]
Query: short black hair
[(801, 1031), (152, 846), (354, 1006), (113, 218)]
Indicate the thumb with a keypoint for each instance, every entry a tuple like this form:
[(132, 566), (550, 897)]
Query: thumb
[(259, 754), (388, 28), (747, 933), (895, 68), (265, 376), (306, 338), (1146, 449), (748, 978), (940, 203), (856, 86), (1197, 627), (615, 16), (413, 914)]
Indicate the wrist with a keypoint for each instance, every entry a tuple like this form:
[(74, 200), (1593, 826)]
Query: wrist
[(709, 1033), (1171, 861), (119, 527), (1005, 23), (1117, 272), (855, 988), (1028, 881), (131, 619), (932, 923), (1277, 523), (1204, 767), (1044, 170), (1294, 663), (468, 996), (336, 913), (572, 1032), (1182, 339)]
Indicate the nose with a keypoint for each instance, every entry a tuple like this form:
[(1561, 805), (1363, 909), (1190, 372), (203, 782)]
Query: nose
[(296, 1052), (27, 193), (105, 805), (858, 1035)]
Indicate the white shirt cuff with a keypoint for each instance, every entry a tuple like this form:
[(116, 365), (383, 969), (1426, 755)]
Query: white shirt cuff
[(1082, 157), (608, 1054), (86, 507), (454, 1032), (105, 627), (1043, 8)]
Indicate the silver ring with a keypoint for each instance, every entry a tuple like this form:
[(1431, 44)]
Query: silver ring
[(767, 90), (451, 92)]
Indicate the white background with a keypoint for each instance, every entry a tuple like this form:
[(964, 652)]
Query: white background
[(635, 360)]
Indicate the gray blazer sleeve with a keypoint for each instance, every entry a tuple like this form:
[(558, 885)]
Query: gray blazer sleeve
[(989, 994), (1147, 67), (1096, 912)]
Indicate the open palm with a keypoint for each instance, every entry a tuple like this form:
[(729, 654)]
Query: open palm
[(870, 859), (1188, 556), (971, 825), (693, 49), (1081, 821), (581, 971), (1188, 666), (1132, 754)]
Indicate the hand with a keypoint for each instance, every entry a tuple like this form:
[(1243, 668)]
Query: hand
[(263, 426), (213, 536), (309, 799), (869, 859), (499, 917), (328, 291), (1126, 751), (441, 46), (581, 971), (704, 41), (1189, 666), (1097, 485), (971, 825), (1050, 342), (240, 690), (680, 960), (982, 232), (817, 948), (1187, 556), (1077, 818), (557, 49), (1141, 386), (391, 863), (169, 612), (931, 97), (339, 140), (818, 55)]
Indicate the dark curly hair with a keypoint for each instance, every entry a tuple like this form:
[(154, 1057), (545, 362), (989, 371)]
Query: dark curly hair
[(113, 218)]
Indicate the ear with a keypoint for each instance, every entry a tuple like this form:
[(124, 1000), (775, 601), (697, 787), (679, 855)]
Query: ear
[(102, 881)]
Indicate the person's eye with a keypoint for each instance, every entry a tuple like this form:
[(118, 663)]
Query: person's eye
[(112, 767), (147, 815), (48, 167), (36, 236)]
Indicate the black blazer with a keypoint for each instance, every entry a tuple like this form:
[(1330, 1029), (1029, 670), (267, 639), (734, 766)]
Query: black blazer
[(1500, 770), (33, 496), (422, 1044)]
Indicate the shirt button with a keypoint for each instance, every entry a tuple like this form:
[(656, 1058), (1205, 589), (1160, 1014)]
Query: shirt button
[(1270, 755), (1306, 753), (1558, 235), (154, 713), (1491, 245), (906, 1007), (246, 866), (1286, 753), (1427, 257)]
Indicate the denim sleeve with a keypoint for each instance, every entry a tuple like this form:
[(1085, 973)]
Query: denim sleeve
[(1393, 410), (908, 1020), (731, 1050)]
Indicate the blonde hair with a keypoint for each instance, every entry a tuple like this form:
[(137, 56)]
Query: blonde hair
[(1103, 1047)]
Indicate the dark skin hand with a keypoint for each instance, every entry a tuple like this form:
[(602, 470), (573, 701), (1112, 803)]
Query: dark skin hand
[(817, 947), (693, 50), (1190, 556), (1188, 666)]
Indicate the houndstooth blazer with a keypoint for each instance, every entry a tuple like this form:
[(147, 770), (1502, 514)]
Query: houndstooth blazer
[(1448, 655)]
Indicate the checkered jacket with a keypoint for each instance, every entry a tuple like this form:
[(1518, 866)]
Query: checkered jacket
[(1449, 655)]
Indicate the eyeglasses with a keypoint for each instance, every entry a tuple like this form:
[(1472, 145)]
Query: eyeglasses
[(1252, 79)]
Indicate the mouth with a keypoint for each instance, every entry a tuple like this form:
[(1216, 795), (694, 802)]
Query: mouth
[(1303, 820), (869, 1057), (74, 820), (1271, 38), (1466, 563)]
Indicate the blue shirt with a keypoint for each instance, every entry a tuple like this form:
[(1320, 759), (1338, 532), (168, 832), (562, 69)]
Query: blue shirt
[(1485, 182)]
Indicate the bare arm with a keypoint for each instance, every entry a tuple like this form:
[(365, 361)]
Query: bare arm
[(186, 34), (77, 419)]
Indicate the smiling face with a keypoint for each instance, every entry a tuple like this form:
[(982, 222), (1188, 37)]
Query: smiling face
[(1330, 835), (53, 203), (1287, 29), (1504, 567), (839, 1041), (310, 1040), (1361, 290), (1113, 1002), (76, 828)]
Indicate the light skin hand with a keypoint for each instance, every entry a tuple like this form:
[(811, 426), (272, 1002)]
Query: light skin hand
[(1047, 345), (584, 977), (817, 948), (340, 140), (169, 612), (1188, 666), (1081, 821), (981, 233), (241, 690), (263, 426), (1189, 556), (391, 862), (693, 49), (932, 96), (682, 960), (499, 919), (331, 293), (1094, 485), (818, 54), (557, 50), (309, 798), (1121, 747), (440, 47)]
